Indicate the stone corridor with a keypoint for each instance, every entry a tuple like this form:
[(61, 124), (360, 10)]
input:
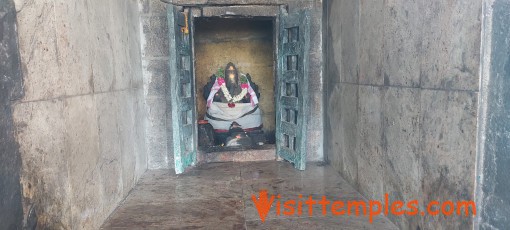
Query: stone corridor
[(218, 196), (403, 99)]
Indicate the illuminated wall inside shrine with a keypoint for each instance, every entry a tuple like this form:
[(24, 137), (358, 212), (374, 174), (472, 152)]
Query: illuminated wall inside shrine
[(247, 43)]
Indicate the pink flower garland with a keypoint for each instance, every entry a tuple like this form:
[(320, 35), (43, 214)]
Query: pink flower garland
[(221, 81)]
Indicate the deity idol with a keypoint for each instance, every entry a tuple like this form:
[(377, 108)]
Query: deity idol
[(232, 108)]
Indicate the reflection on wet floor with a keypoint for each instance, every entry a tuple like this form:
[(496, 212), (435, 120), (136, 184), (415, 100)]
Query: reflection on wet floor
[(219, 196)]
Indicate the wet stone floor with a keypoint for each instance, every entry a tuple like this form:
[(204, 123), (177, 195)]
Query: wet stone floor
[(219, 196)]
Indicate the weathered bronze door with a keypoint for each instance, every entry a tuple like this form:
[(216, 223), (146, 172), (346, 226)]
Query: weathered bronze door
[(292, 87), (181, 87)]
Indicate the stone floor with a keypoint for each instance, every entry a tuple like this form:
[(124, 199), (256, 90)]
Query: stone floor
[(218, 196)]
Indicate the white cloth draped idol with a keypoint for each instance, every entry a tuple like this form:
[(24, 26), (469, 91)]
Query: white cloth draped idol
[(220, 116)]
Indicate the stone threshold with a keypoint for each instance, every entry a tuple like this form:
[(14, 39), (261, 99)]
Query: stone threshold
[(267, 153)]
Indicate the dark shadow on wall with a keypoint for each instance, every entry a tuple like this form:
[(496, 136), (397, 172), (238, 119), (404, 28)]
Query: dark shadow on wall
[(11, 212), (493, 185)]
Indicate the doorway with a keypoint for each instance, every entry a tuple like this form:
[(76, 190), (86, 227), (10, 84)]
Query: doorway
[(247, 43), (291, 44)]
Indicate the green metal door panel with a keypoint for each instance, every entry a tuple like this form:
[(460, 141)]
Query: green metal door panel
[(292, 90), (181, 88)]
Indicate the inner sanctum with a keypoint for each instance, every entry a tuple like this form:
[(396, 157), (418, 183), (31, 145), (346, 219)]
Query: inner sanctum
[(235, 83), (245, 84)]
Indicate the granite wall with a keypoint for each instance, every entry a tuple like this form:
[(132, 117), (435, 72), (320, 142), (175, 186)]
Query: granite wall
[(155, 61), (493, 185), (401, 100), (11, 212), (80, 124)]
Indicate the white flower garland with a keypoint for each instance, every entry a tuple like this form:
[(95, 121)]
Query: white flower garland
[(234, 99)]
